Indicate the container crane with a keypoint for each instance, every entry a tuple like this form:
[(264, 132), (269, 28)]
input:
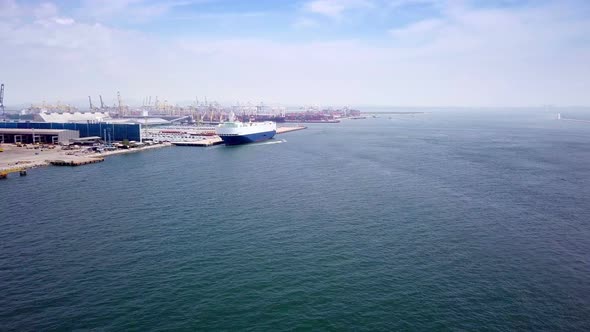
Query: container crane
[(90, 102), (2, 100), (101, 103), (119, 101)]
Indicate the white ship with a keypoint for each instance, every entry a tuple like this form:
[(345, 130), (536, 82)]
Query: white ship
[(234, 132)]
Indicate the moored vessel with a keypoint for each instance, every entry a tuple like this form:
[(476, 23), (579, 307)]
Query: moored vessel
[(234, 132)]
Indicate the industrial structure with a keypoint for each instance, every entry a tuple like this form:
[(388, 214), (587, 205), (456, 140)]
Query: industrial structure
[(94, 117), (71, 117), (2, 101), (41, 136), (109, 131)]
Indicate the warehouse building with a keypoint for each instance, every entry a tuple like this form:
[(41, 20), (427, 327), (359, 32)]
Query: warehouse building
[(42, 136), (77, 117), (107, 131)]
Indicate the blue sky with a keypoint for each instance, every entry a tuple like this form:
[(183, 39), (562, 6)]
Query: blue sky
[(340, 52)]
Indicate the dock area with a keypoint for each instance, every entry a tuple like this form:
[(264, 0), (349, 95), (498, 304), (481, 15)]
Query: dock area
[(4, 172), (79, 162), (18, 158), (15, 159), (215, 140), (282, 130), (204, 142)]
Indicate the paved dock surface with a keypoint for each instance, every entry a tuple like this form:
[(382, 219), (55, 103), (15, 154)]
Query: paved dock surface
[(205, 142), (23, 157), (282, 130)]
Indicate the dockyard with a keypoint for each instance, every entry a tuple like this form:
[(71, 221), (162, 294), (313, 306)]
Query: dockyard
[(64, 135), (16, 158), (29, 148)]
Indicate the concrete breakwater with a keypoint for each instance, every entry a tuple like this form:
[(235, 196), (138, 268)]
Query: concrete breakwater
[(282, 130), (84, 161)]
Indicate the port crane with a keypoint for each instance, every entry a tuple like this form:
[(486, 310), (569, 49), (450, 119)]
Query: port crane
[(119, 101), (2, 100), (101, 103), (90, 102)]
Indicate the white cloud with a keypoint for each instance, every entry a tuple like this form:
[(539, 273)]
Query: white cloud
[(418, 31), (305, 22), (482, 57), (64, 20), (335, 8), (402, 3), (9, 8), (221, 16), (529, 55), (44, 10), (130, 10), (106, 8)]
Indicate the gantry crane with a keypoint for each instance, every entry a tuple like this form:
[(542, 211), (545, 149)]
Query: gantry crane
[(2, 100), (120, 107)]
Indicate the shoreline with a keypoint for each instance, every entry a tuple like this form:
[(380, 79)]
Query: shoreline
[(16, 158), (22, 158)]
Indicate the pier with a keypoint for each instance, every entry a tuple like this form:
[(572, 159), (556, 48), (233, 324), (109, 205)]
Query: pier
[(204, 142), (4, 173), (17, 159), (217, 140), (282, 130), (77, 162), (560, 117)]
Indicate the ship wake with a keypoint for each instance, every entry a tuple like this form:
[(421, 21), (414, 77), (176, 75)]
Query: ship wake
[(270, 142)]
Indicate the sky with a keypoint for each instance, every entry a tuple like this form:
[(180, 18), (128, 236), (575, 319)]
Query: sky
[(479, 53)]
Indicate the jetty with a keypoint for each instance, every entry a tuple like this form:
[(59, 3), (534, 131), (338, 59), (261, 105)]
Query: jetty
[(18, 159), (204, 142), (215, 140), (282, 130), (77, 162), (4, 173)]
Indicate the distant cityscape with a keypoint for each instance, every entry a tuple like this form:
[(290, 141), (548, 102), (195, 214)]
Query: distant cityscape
[(156, 112)]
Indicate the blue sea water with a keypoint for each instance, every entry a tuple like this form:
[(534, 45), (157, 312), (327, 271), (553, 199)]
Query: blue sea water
[(451, 220)]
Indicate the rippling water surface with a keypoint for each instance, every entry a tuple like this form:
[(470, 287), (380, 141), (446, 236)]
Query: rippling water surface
[(448, 220)]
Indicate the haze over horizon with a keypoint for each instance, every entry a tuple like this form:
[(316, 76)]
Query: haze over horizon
[(338, 52)]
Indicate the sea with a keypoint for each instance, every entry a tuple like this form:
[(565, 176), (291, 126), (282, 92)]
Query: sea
[(455, 219)]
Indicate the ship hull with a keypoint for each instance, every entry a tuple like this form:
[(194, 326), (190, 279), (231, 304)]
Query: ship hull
[(247, 138)]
